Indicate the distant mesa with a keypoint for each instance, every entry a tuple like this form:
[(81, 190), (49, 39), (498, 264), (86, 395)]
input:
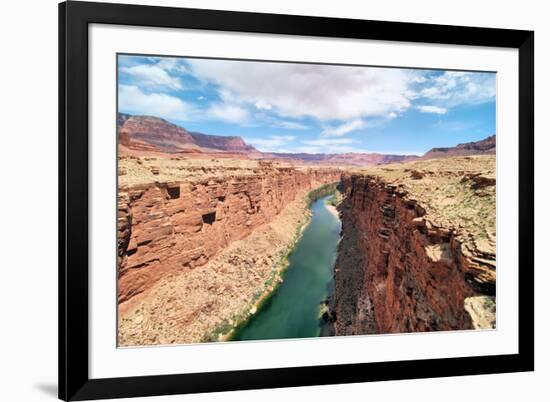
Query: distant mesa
[(350, 158), (153, 134), (223, 143), (156, 134), (483, 147)]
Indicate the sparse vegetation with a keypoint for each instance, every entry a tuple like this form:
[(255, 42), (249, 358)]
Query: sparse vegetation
[(335, 199), (321, 192), (228, 328), (448, 191)]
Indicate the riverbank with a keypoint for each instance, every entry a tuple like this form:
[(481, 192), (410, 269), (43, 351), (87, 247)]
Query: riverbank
[(207, 302), (332, 209), (279, 272), (293, 308), (312, 197)]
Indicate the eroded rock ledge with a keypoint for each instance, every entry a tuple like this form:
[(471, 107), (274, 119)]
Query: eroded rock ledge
[(173, 227), (399, 271)]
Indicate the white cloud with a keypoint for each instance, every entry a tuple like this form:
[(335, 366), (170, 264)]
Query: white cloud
[(322, 149), (132, 99), (319, 91), (228, 112), (343, 129), (272, 143), (291, 125), (420, 79), (171, 64), (267, 119), (261, 105), (432, 109), (454, 88), (328, 141), (152, 76)]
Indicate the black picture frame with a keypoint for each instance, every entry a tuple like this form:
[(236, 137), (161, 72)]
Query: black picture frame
[(74, 18)]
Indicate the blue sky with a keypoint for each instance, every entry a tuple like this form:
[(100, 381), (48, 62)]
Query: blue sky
[(313, 108)]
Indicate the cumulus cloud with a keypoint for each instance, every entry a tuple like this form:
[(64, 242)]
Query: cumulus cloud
[(432, 109), (322, 92), (335, 100), (419, 79), (228, 112), (132, 99), (454, 88), (173, 64), (152, 76), (392, 115), (261, 105), (343, 129)]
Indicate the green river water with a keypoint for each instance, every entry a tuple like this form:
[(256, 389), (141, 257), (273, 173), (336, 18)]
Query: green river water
[(293, 310)]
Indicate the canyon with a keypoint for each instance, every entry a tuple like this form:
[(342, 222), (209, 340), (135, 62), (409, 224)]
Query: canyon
[(206, 223), (170, 229), (418, 251)]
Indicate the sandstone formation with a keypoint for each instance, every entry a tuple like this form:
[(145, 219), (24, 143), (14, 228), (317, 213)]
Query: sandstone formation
[(174, 227), (205, 303), (205, 221), (418, 248)]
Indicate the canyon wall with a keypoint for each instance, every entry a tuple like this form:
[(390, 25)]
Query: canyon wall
[(397, 272), (169, 227)]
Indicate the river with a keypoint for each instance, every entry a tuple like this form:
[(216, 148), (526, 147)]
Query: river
[(293, 309)]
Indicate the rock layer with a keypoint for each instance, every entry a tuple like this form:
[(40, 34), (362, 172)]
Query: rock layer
[(177, 226), (483, 147), (397, 271)]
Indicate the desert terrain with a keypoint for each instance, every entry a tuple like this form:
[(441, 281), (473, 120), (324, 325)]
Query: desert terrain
[(206, 223)]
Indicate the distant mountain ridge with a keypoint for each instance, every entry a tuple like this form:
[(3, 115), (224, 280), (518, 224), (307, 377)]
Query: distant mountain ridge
[(148, 133), (225, 143), (484, 146), (164, 136), (350, 158)]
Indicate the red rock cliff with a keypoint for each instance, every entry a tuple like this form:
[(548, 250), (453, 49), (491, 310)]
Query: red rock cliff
[(166, 227), (396, 271)]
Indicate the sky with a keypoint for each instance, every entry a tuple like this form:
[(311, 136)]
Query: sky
[(312, 108)]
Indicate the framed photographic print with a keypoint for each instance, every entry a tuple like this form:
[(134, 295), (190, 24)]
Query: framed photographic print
[(258, 200)]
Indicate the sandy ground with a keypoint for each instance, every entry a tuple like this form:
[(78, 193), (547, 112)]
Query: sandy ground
[(332, 209)]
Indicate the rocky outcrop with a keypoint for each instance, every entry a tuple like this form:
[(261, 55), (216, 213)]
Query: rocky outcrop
[(171, 227), (399, 272)]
